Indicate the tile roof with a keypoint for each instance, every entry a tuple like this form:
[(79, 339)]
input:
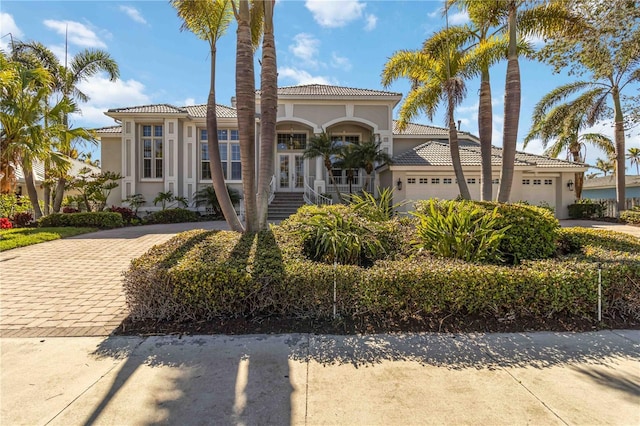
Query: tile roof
[(434, 153), (109, 129), (419, 129), (610, 181), (326, 90), (153, 109), (222, 111)]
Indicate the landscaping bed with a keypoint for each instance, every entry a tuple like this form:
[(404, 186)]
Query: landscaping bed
[(387, 277)]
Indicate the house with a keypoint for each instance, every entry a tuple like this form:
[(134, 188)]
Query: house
[(163, 148), (604, 187)]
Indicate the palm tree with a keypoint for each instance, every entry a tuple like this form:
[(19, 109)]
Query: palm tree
[(369, 153), (435, 79), (83, 65), (562, 122), (268, 112), (633, 154), (249, 18), (349, 159), (605, 166), (322, 145), (207, 197), (209, 20)]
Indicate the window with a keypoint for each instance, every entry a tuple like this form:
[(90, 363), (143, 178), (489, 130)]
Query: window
[(423, 180), (447, 181), (411, 180), (495, 181), (471, 181), (229, 149), (435, 181), (537, 182), (288, 141), (152, 152), (526, 182), (340, 175), (548, 181)]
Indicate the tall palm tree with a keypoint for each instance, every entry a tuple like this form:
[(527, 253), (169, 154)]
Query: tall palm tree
[(562, 122), (322, 145), (370, 153), (268, 112), (209, 20), (349, 159), (605, 166), (249, 17), (633, 154), (435, 80), (67, 78)]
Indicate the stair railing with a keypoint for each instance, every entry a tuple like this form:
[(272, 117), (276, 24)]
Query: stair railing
[(311, 196)]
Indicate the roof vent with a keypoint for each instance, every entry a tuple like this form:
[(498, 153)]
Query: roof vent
[(233, 102)]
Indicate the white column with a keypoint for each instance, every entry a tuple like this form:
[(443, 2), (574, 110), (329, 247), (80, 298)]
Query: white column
[(171, 155), (128, 158), (190, 165)]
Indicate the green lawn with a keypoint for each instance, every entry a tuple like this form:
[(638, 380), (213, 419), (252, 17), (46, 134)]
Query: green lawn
[(20, 237)]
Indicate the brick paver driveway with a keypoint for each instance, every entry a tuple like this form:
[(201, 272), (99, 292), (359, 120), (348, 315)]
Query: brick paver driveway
[(73, 287)]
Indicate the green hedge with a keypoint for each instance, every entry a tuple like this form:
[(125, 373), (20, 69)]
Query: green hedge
[(630, 216), (176, 215), (586, 210), (103, 220), (200, 275)]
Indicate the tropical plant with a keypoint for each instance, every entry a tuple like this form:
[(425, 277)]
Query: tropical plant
[(94, 188), (209, 20), (167, 199), (135, 201), (605, 166), (207, 197), (435, 79), (605, 51), (377, 209), (350, 160), (562, 122), (633, 155), (370, 154), (322, 145), (459, 231)]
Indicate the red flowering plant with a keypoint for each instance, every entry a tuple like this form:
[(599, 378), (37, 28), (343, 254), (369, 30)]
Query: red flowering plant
[(5, 223)]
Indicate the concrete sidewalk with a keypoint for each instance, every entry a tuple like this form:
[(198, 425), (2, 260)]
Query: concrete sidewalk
[(488, 379)]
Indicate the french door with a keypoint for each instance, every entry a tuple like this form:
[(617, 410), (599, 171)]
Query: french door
[(290, 172)]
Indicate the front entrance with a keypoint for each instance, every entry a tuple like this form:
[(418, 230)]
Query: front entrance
[(291, 172)]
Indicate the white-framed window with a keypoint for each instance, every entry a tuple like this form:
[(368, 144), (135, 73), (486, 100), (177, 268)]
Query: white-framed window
[(341, 175), (447, 181), (423, 180), (526, 182), (495, 181), (537, 182), (435, 181), (152, 152), (291, 141), (548, 181), (411, 180), (229, 147)]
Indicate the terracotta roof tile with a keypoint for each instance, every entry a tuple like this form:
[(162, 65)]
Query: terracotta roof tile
[(109, 129), (153, 109), (419, 129), (222, 111), (327, 90)]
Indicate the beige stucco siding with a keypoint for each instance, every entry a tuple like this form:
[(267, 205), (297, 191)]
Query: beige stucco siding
[(111, 161), (403, 145), (375, 114), (319, 114)]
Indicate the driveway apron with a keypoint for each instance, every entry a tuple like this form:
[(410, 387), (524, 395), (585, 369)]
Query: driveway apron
[(73, 286)]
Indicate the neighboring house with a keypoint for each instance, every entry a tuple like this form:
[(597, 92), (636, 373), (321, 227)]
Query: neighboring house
[(38, 176), (164, 148), (604, 188)]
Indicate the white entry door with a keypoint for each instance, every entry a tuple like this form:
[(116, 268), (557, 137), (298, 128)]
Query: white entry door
[(290, 172)]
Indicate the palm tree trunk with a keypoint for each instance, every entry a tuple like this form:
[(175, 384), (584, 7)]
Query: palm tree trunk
[(511, 111), (246, 98), (327, 165), (579, 176), (620, 151), (59, 194), (485, 130), (32, 192), (454, 149), (217, 175), (268, 111)]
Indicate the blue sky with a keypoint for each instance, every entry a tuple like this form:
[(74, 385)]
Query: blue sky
[(342, 42)]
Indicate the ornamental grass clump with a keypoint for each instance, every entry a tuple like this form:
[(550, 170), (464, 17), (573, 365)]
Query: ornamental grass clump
[(459, 230)]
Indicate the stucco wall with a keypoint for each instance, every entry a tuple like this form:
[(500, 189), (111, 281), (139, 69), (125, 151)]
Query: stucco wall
[(375, 114), (111, 161), (319, 114)]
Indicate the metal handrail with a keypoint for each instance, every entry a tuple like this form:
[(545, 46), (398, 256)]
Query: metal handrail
[(272, 189), (312, 197)]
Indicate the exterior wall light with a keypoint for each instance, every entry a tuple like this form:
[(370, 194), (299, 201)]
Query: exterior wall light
[(399, 184), (570, 185)]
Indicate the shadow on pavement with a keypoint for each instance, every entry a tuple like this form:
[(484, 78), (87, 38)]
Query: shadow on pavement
[(133, 232)]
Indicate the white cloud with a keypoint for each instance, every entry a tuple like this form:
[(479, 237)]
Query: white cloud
[(134, 14), (187, 102), (372, 21), (8, 26), (334, 14), (459, 18), (305, 47), (340, 62), (303, 77), (104, 94), (435, 14), (78, 33), (537, 41)]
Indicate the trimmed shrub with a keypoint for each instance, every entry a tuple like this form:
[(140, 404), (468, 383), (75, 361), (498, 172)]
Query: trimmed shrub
[(68, 209), (127, 214), (22, 219), (200, 275), (586, 209), (102, 220), (11, 204), (630, 216), (532, 231), (176, 215)]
